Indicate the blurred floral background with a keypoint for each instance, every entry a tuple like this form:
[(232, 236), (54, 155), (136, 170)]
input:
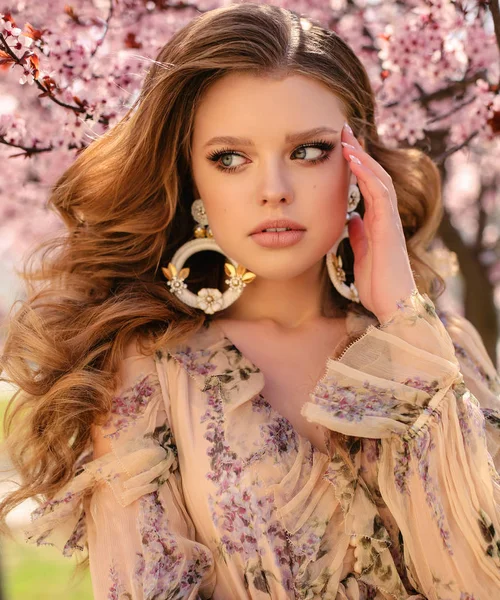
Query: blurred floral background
[(70, 69)]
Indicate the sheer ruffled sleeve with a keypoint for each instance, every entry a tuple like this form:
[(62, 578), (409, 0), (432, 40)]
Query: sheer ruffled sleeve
[(125, 502), (428, 391)]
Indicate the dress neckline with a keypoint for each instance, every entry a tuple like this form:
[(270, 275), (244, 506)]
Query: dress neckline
[(355, 324)]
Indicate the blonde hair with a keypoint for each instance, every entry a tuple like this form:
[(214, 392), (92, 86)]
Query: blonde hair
[(126, 201)]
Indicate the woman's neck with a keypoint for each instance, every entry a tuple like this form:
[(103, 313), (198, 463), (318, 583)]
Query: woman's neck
[(289, 303)]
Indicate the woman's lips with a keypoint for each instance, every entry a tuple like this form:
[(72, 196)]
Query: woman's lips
[(278, 239)]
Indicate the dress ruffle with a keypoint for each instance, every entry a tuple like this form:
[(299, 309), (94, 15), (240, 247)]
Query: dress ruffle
[(355, 386), (136, 465)]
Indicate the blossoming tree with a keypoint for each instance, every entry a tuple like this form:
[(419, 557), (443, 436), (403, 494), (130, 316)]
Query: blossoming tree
[(68, 72)]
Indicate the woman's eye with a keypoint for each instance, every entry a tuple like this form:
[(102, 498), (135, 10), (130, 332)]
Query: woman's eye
[(227, 160), (224, 159), (309, 153), (315, 152)]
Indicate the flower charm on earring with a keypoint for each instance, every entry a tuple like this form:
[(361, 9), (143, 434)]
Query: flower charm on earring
[(354, 293), (334, 262), (209, 300), (239, 277), (176, 281), (353, 198), (337, 265)]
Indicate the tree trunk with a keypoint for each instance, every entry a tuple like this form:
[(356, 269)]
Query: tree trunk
[(479, 302)]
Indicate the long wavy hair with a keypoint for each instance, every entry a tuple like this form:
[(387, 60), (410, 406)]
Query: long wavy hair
[(125, 202)]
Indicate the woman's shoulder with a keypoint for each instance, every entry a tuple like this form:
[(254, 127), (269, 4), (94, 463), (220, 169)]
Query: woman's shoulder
[(475, 362), (136, 366)]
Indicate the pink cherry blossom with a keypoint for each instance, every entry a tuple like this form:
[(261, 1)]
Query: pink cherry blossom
[(68, 72)]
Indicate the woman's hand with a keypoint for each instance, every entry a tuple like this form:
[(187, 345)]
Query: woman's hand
[(382, 271)]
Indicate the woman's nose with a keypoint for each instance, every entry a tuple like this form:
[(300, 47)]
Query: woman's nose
[(276, 188)]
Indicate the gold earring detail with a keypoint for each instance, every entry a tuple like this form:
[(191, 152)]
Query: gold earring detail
[(209, 300), (333, 262)]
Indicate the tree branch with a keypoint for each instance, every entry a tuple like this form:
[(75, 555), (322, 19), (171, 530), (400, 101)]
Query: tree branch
[(79, 108), (46, 90), (444, 155), (482, 219), (450, 90), (27, 152), (106, 29), (495, 13), (452, 111)]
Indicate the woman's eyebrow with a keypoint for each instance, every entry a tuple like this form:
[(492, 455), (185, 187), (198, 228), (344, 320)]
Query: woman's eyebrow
[(290, 138)]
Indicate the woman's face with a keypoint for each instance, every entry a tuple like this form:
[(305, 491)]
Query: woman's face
[(266, 176)]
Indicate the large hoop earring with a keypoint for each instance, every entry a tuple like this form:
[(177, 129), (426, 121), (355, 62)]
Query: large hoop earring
[(209, 300), (333, 262)]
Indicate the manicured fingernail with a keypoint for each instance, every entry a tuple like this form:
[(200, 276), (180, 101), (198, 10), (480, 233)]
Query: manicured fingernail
[(354, 159), (346, 145), (346, 125)]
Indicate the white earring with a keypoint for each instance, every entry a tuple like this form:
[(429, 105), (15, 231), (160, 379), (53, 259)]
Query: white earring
[(334, 262), (209, 300)]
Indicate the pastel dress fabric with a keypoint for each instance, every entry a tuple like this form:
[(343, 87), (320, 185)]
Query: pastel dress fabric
[(209, 492)]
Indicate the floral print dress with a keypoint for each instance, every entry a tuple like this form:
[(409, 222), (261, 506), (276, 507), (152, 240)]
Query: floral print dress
[(209, 492)]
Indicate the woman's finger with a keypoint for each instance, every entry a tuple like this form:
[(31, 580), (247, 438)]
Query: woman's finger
[(352, 146), (357, 236), (350, 138), (378, 198)]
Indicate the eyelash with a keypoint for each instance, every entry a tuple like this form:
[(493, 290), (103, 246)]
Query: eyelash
[(216, 155)]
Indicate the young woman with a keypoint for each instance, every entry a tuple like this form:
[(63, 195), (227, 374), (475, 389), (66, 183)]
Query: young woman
[(287, 416)]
